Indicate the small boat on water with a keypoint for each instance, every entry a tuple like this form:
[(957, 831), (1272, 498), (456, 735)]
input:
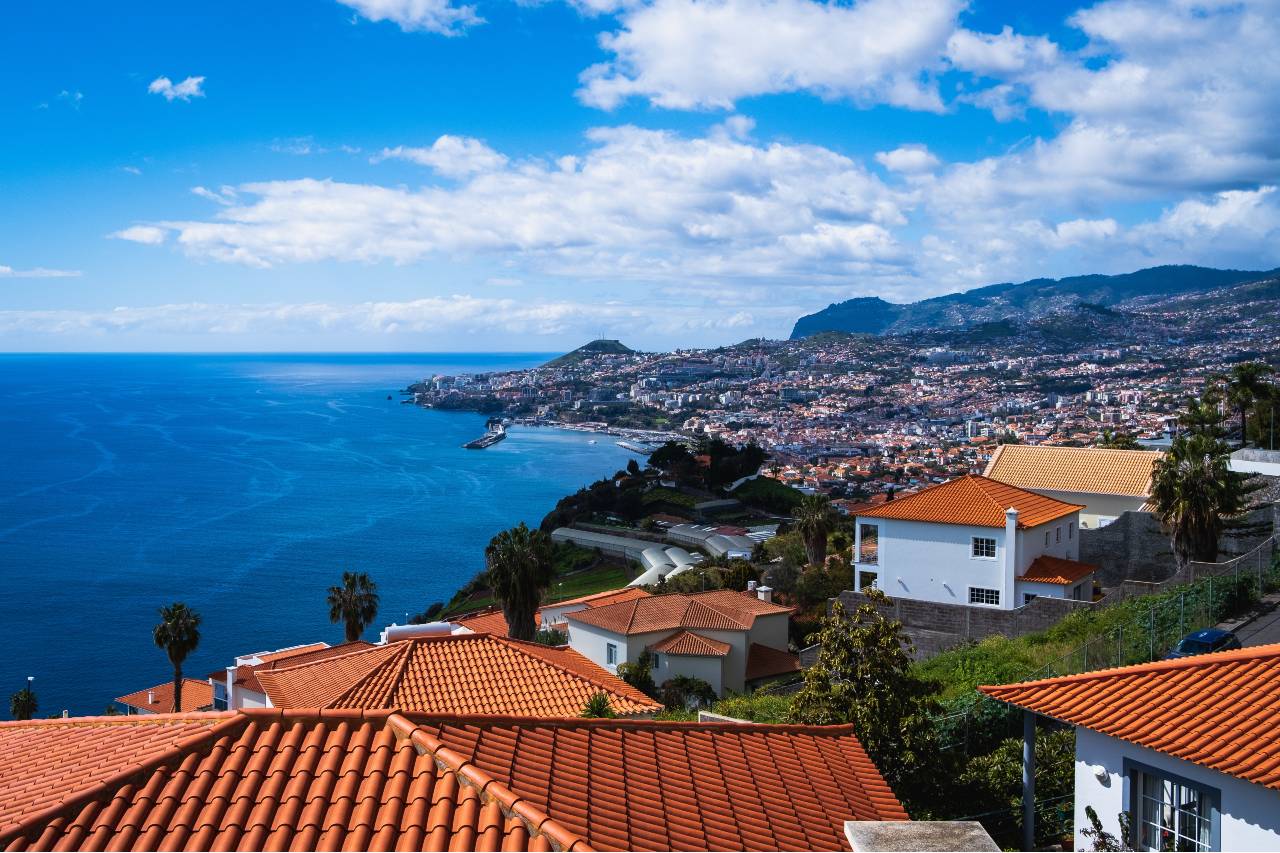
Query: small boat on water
[(592, 441)]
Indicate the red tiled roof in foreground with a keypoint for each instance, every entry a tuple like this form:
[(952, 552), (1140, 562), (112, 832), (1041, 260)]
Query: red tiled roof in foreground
[(1219, 710), (378, 780), (456, 674), (196, 696), (1047, 569), (974, 500)]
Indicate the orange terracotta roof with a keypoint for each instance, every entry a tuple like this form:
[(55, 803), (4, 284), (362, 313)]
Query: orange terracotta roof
[(458, 674), (247, 675), (689, 643), (197, 695), (718, 610), (1047, 569), (1218, 710), (973, 500), (273, 780), (493, 621), (293, 652), (766, 662), (1089, 470)]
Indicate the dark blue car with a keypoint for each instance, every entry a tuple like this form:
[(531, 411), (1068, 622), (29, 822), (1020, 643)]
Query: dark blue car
[(1203, 642)]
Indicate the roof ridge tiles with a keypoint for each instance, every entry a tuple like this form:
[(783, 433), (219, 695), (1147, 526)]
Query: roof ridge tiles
[(533, 815), (479, 720)]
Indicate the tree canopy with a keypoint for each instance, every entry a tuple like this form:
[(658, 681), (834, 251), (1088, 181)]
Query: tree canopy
[(520, 568), (178, 634), (354, 604)]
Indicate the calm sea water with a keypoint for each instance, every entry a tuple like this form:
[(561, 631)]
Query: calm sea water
[(244, 486)]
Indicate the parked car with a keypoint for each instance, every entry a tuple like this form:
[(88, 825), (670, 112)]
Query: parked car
[(1203, 642)]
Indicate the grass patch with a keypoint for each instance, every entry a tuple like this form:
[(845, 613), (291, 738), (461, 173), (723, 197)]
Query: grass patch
[(671, 497)]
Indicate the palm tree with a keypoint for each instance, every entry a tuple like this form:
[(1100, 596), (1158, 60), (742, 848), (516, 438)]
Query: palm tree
[(22, 705), (178, 634), (1195, 495), (1245, 384), (354, 604), (814, 521), (520, 570)]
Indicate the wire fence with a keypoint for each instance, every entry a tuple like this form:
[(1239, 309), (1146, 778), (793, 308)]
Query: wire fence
[(1055, 821)]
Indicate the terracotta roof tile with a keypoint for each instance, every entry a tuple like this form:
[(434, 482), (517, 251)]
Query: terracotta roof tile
[(457, 674), (1090, 470), (719, 610), (689, 643), (247, 675), (1047, 569), (494, 622), (279, 780), (766, 662), (197, 695), (973, 500), (1218, 710)]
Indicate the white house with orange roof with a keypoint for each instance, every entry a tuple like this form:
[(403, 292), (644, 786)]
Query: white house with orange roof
[(728, 639), (972, 541), (1189, 748)]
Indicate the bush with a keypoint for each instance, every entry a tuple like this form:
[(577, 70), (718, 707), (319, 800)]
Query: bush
[(685, 693), (551, 637), (640, 674)]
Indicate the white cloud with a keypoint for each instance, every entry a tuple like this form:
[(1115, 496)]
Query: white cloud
[(435, 16), (132, 170), (36, 272), (73, 98), (1000, 54), (700, 54), (148, 235), (908, 159), (224, 195), (451, 156), (192, 87)]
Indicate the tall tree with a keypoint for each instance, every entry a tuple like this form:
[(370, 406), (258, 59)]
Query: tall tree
[(1118, 441), (354, 604), (178, 634), (520, 570), (1245, 384), (814, 520), (1195, 495), (863, 676), (23, 705)]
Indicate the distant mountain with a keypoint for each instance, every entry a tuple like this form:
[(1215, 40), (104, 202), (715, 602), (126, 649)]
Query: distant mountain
[(1019, 303), (600, 346)]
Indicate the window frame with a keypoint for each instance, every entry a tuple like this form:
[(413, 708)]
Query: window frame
[(1057, 534), (611, 654), (982, 590), (862, 585), (973, 548), (1132, 773)]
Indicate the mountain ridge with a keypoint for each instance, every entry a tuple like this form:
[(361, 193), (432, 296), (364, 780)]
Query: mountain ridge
[(1019, 302)]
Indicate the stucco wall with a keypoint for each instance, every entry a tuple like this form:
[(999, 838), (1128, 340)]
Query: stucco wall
[(709, 669), (590, 642), (771, 630), (1250, 813), (1096, 506)]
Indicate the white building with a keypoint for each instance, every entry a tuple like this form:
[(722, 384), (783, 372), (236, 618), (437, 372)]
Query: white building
[(1105, 482), (1188, 748), (972, 541), (728, 639)]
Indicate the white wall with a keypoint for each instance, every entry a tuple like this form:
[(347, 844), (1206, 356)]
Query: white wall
[(1031, 541), (591, 642), (1250, 813), (1096, 507), (934, 562), (709, 669), (771, 630)]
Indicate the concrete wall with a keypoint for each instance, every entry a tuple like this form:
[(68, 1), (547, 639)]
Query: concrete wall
[(709, 669), (1250, 814), (771, 630), (934, 626)]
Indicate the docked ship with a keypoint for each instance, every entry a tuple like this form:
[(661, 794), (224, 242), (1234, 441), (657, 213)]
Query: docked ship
[(496, 432)]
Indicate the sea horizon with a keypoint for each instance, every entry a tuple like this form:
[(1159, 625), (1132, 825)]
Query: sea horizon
[(242, 484)]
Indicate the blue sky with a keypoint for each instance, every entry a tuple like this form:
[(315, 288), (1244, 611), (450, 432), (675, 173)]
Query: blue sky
[(435, 175)]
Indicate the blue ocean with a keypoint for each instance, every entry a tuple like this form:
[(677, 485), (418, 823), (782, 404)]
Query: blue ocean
[(242, 485)]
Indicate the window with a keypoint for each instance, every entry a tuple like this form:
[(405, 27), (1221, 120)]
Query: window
[(978, 595), (1172, 813), (610, 654), (657, 660), (868, 543), (867, 580), (1046, 539), (984, 548), (1058, 533), (1028, 597), (1071, 530)]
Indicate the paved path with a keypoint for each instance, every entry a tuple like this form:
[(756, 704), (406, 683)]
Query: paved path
[(1265, 628)]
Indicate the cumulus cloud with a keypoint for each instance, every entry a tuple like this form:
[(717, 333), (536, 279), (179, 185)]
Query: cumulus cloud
[(908, 159), (434, 16), (192, 87), (36, 272), (451, 156), (149, 235), (707, 54)]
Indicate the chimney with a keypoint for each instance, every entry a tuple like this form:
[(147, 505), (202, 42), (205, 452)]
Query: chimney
[(751, 586), (1010, 557), (231, 684), (151, 697), (765, 593)]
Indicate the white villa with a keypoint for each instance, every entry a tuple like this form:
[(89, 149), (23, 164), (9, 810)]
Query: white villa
[(972, 541), (728, 639), (1107, 483), (1187, 748)]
